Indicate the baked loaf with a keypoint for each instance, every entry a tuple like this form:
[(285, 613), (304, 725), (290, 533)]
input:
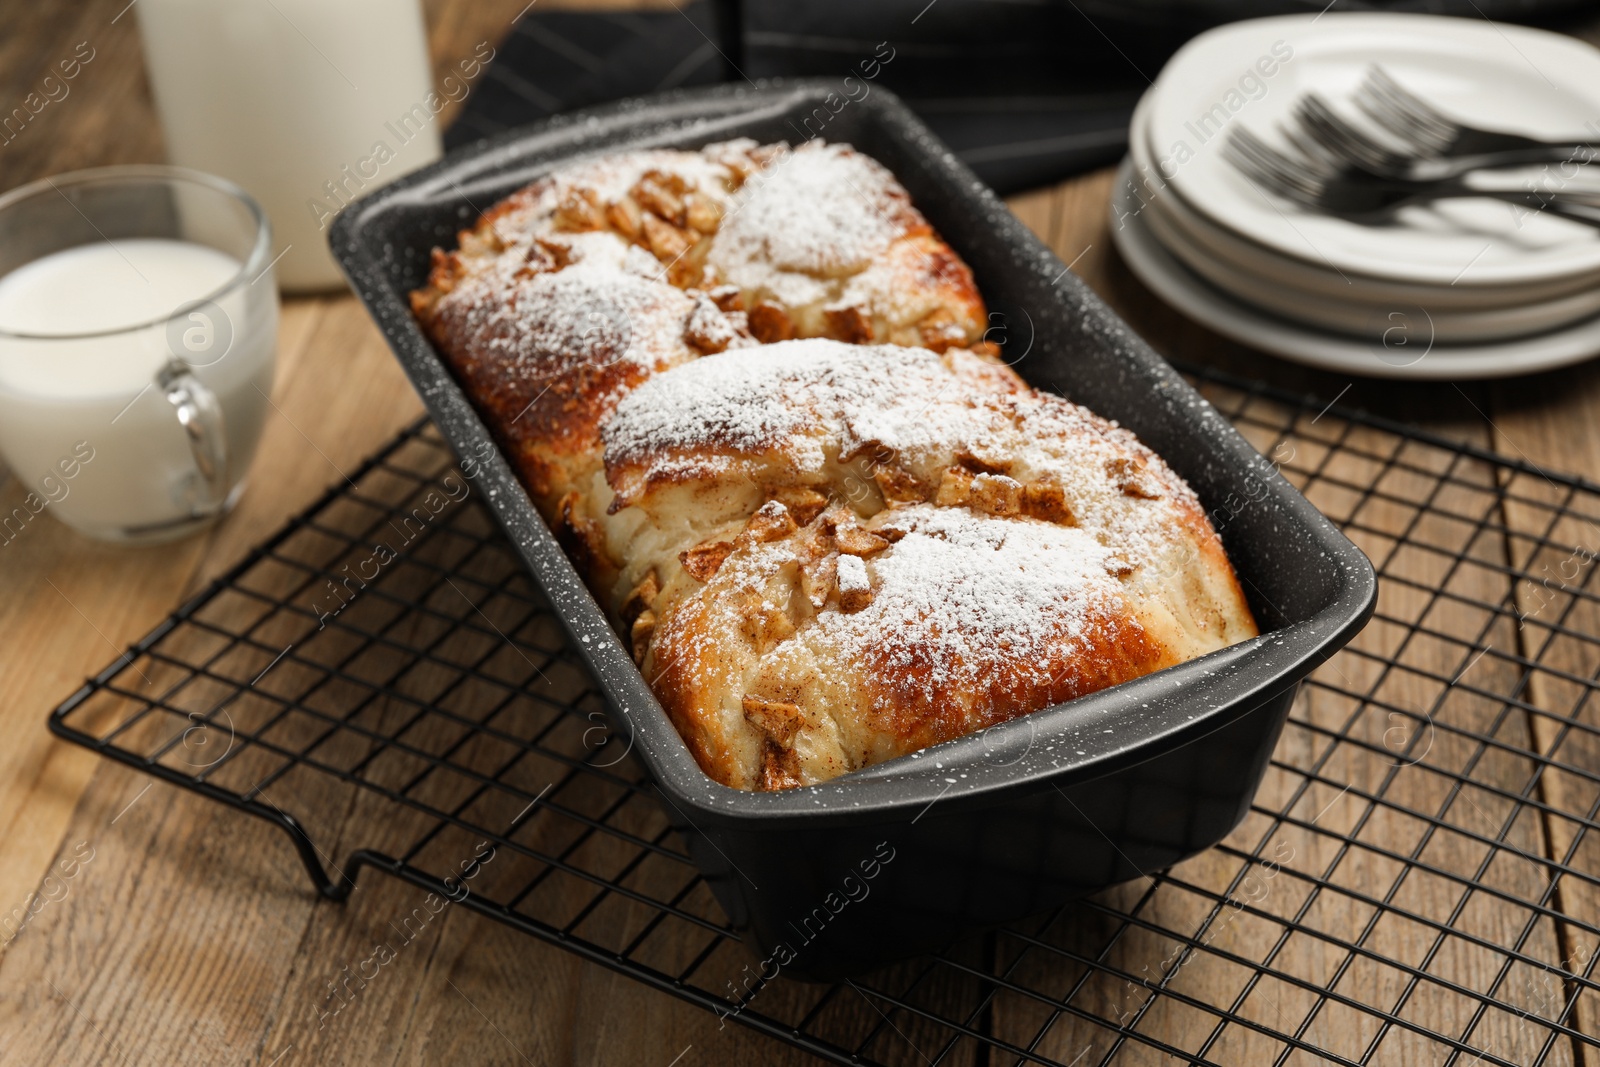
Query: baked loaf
[(824, 550)]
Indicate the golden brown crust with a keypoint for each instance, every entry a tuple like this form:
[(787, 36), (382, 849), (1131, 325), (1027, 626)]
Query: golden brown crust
[(749, 389), (905, 667), (989, 552)]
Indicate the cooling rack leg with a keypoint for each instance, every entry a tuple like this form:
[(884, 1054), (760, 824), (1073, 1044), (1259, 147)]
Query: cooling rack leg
[(310, 856)]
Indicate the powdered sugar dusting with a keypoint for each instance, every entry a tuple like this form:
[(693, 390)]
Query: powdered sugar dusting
[(962, 595), (594, 312), (709, 171), (965, 592), (852, 575), (782, 394), (820, 400), (819, 213), (711, 328)]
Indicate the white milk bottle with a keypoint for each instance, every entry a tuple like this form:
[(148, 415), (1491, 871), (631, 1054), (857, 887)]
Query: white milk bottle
[(306, 104)]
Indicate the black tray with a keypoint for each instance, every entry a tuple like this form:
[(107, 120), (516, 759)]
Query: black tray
[(902, 857)]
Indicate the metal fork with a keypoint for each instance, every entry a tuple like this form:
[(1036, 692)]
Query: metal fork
[(1359, 148), (1319, 184), (1431, 132)]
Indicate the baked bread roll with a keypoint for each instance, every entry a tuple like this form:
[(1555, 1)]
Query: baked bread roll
[(818, 241), (841, 554), (576, 288), (823, 242), (825, 551)]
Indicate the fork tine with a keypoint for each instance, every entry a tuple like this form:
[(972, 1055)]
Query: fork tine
[(1310, 147), (1261, 178), (1404, 114), (1272, 170), (1301, 172), (1242, 159), (1411, 102), (1399, 123), (1344, 139)]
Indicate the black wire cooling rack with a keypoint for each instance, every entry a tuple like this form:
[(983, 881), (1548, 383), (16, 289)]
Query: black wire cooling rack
[(1415, 883)]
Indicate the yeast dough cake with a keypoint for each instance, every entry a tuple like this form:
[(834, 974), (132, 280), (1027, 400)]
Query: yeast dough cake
[(749, 388)]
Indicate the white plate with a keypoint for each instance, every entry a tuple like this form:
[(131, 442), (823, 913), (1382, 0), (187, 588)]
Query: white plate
[(1408, 353), (1346, 304), (1315, 281), (1498, 75), (1449, 326)]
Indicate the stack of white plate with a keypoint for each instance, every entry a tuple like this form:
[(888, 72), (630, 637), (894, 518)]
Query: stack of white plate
[(1458, 289)]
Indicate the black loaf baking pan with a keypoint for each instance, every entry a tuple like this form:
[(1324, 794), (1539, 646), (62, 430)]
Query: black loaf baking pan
[(903, 857)]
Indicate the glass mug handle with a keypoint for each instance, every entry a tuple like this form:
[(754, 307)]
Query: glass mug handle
[(200, 415)]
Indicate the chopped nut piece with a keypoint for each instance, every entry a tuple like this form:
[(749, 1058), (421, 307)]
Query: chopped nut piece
[(1119, 567), (1134, 478), (898, 486), (656, 198), (560, 252), (626, 217), (780, 720), (855, 589), (741, 163), (770, 522), (686, 272), (702, 560), (707, 327), (644, 627), (817, 579), (780, 768), (954, 487), (977, 461), (854, 541), (764, 623), (849, 324), (665, 240), (668, 179), (702, 214), (482, 242), (641, 598), (447, 263), (891, 534), (579, 211), (541, 257), (805, 504), (727, 297), (839, 524), (770, 323), (996, 494), (1044, 501)]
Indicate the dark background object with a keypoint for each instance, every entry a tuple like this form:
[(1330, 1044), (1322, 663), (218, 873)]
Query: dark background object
[(554, 61), (1025, 91)]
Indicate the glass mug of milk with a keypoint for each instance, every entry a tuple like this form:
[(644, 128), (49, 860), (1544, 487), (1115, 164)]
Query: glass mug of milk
[(138, 329)]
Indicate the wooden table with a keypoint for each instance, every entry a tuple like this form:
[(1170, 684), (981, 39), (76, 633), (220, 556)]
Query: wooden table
[(191, 936)]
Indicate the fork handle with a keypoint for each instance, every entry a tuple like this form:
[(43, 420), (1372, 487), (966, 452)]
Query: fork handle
[(1473, 142), (1578, 210), (1458, 166)]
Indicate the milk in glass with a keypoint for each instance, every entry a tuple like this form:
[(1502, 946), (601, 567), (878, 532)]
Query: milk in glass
[(84, 334)]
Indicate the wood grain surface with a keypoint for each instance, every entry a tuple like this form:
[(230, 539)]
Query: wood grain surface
[(189, 936)]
